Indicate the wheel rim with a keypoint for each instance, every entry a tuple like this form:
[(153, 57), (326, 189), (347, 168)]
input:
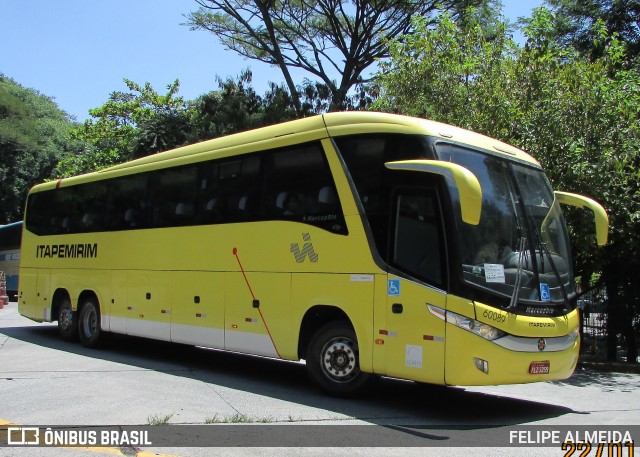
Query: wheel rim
[(90, 323), (65, 318), (339, 359)]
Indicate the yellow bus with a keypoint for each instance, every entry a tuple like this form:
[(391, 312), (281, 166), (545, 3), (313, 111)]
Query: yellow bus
[(363, 243)]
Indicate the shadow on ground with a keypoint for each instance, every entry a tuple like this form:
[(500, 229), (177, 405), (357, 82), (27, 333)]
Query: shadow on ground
[(390, 401)]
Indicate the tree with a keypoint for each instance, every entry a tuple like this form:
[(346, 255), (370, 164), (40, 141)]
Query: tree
[(32, 140), (141, 121), (236, 107), (453, 72), (578, 116), (129, 125), (321, 37), (576, 24)]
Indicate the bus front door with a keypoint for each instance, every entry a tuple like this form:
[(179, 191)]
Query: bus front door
[(415, 336)]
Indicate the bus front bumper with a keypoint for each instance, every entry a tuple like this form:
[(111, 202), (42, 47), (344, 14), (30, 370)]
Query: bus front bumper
[(473, 361)]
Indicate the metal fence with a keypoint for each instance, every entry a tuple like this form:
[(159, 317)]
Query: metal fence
[(594, 315), (594, 307)]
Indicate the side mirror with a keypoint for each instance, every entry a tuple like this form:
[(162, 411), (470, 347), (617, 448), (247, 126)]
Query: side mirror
[(466, 182), (599, 213)]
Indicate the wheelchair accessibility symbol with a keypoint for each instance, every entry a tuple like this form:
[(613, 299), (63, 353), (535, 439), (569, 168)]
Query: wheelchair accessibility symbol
[(393, 287), (545, 293)]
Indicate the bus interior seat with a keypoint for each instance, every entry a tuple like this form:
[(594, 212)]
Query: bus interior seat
[(280, 200), (244, 208), (130, 217), (213, 210), (184, 209), (326, 198), (89, 220)]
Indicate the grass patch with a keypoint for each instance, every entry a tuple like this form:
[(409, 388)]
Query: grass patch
[(238, 419), (158, 419), (212, 420)]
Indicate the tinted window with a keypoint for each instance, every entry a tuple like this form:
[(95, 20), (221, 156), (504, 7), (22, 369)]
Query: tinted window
[(10, 237), (298, 186), (365, 156), (417, 239), (172, 197), (39, 212), (229, 189), (129, 204), (285, 184)]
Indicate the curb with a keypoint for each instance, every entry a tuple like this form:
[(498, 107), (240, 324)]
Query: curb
[(617, 367)]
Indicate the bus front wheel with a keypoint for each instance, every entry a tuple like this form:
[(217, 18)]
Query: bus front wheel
[(67, 321), (89, 324), (333, 360)]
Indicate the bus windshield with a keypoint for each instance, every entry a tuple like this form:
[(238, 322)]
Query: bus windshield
[(520, 248)]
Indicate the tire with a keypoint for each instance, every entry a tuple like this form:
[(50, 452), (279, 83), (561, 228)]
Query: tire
[(333, 360), (89, 324), (67, 321)]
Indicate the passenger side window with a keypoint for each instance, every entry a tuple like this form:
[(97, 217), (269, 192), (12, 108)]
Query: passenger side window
[(173, 197), (129, 203), (229, 190), (365, 156), (40, 213), (298, 186), (418, 242), (91, 200), (292, 184)]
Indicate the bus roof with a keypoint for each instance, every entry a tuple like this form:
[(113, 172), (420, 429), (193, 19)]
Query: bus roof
[(317, 127), (348, 122)]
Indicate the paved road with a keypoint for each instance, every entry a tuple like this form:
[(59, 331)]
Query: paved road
[(46, 381)]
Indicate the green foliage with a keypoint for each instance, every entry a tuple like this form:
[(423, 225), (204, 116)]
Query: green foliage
[(450, 74), (142, 122), (578, 24), (32, 139), (236, 107), (578, 116), (129, 125)]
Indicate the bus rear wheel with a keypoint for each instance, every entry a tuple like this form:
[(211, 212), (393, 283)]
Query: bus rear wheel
[(67, 321), (333, 360), (89, 324)]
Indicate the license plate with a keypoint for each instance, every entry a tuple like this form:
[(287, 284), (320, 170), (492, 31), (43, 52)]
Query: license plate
[(539, 367)]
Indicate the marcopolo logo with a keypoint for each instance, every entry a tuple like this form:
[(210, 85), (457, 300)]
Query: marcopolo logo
[(541, 344), (306, 251)]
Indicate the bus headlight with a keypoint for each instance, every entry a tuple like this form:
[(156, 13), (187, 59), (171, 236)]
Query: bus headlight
[(481, 329)]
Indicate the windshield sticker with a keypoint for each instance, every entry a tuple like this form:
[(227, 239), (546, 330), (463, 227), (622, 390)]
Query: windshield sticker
[(545, 293), (494, 272)]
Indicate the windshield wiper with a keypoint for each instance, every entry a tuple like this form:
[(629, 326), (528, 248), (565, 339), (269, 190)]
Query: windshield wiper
[(557, 275), (544, 250), (516, 286)]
